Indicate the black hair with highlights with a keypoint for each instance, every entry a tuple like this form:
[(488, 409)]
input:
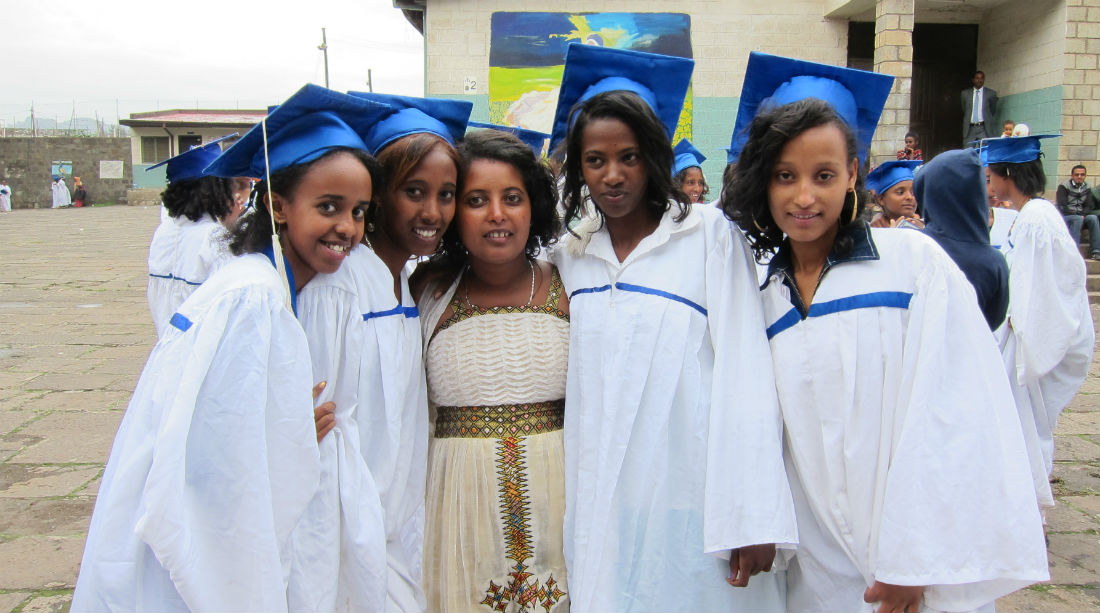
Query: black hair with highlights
[(745, 195)]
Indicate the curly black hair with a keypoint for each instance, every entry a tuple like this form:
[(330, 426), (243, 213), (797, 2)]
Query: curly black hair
[(253, 231), (745, 193), (538, 182), (653, 144), (1029, 177), (194, 198)]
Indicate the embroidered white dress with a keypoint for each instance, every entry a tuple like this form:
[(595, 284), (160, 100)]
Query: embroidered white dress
[(1047, 340), (672, 426), (496, 382), (390, 404), (214, 462), (904, 451), (182, 254)]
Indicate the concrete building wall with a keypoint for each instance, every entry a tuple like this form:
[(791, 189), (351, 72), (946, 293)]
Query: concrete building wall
[(25, 163), (156, 179), (458, 37)]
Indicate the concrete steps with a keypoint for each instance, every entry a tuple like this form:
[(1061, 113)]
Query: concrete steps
[(1092, 280)]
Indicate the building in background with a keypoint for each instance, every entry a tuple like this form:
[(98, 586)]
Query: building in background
[(159, 135), (1040, 56)]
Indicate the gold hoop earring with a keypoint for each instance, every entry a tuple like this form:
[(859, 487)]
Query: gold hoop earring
[(762, 230), (855, 206), (369, 227)]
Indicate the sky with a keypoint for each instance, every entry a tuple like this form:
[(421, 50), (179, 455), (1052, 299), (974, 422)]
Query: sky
[(134, 56)]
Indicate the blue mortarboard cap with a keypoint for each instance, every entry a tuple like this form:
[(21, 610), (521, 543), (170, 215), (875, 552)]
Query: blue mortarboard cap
[(444, 118), (889, 174), (771, 81), (1012, 149), (55, 177), (301, 129), (533, 139), (661, 80), (191, 163), (686, 156)]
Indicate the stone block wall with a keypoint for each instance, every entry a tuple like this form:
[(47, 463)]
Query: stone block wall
[(25, 163), (893, 56), (1081, 90)]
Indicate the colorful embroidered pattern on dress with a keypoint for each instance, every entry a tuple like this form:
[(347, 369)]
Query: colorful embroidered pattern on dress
[(523, 590), (500, 420), (461, 312)]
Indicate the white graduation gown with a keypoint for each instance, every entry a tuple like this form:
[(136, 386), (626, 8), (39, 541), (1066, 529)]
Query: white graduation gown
[(214, 462), (328, 310), (61, 197), (672, 427), (5, 197), (391, 405), (182, 254), (904, 451), (1047, 339)]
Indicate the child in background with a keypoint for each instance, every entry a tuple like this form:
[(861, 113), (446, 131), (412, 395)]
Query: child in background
[(688, 172)]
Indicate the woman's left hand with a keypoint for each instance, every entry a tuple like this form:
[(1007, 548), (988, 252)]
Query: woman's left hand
[(894, 598)]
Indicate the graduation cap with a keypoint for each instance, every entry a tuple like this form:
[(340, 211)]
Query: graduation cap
[(191, 163), (301, 129), (661, 80), (445, 118), (1012, 149), (533, 139), (686, 156), (771, 81), (889, 174)]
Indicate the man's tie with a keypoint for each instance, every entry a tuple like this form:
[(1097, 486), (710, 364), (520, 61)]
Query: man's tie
[(976, 109)]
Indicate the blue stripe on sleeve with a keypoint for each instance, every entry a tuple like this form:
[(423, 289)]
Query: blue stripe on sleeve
[(180, 322)]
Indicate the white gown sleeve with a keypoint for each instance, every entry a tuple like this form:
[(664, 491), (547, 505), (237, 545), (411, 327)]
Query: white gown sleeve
[(748, 499), (235, 457), (959, 513), (1047, 286)]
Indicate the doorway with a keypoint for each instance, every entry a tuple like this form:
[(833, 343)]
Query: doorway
[(944, 59)]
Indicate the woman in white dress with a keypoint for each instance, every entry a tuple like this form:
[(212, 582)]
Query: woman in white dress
[(497, 351), (904, 452), (670, 397), (1047, 340), (216, 461), (190, 242), (61, 197)]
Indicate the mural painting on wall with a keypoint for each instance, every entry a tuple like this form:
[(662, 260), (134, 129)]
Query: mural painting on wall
[(61, 168), (527, 55)]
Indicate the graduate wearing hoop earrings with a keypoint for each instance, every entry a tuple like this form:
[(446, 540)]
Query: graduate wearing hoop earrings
[(905, 455), (207, 502), (364, 326), (673, 464)]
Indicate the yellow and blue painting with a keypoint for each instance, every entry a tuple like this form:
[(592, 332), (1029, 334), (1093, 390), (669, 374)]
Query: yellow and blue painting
[(527, 57)]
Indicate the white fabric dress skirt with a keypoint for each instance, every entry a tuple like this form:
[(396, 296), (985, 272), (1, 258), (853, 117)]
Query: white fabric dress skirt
[(496, 496)]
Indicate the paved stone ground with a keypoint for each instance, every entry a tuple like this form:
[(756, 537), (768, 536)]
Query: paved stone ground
[(75, 333)]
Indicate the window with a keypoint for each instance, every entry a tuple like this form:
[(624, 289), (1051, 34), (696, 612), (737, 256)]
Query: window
[(153, 149), (186, 141)]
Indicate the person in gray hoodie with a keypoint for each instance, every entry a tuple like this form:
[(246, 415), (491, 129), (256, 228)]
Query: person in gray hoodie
[(951, 188)]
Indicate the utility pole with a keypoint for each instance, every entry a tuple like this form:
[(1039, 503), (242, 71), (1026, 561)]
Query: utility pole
[(34, 122), (324, 49), (370, 86)]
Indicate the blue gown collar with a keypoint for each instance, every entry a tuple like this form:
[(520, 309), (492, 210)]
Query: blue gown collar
[(269, 251), (863, 248)]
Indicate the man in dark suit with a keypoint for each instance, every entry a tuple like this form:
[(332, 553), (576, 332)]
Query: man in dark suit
[(979, 105)]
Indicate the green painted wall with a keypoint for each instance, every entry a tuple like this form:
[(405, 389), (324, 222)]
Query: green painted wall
[(1041, 110), (156, 178)]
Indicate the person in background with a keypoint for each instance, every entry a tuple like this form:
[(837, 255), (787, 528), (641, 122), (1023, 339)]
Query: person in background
[(904, 454), (61, 197), (1021, 129), (1078, 207), (80, 195), (1048, 337), (5, 196), (979, 108), (957, 217), (189, 244), (911, 151), (1008, 128), (668, 387), (688, 172), (892, 184)]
